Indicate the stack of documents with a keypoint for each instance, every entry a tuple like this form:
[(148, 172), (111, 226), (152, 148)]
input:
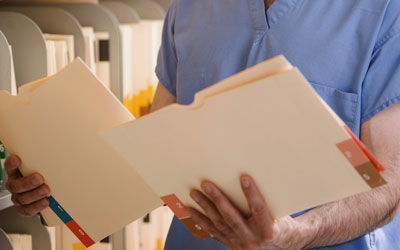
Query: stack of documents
[(92, 152), (128, 56), (68, 41), (51, 57), (60, 49), (13, 82), (89, 36)]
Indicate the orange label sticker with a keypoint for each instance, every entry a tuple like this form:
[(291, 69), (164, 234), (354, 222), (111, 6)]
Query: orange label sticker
[(352, 152), (371, 175), (195, 229), (366, 151), (175, 205)]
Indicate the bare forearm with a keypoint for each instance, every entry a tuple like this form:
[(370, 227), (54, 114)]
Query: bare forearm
[(350, 218), (347, 219), (162, 98)]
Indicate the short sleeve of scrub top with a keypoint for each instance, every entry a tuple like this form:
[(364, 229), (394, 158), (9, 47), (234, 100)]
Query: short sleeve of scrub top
[(349, 50), (167, 61), (381, 87)]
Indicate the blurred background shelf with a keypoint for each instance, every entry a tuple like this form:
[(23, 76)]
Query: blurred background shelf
[(130, 33), (5, 200)]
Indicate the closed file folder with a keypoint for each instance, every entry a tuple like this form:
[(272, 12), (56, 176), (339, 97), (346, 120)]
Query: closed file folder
[(106, 169), (53, 125)]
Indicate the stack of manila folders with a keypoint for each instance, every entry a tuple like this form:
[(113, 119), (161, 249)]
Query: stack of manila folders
[(106, 169)]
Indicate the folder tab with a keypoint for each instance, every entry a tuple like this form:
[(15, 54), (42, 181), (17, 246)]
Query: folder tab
[(369, 173), (80, 233), (352, 152), (195, 229), (362, 159), (175, 205)]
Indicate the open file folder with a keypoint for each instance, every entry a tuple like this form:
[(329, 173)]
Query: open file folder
[(106, 169), (266, 121)]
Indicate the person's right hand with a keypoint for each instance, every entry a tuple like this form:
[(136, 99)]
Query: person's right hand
[(29, 194)]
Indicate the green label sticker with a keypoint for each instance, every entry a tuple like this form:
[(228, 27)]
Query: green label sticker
[(2, 151)]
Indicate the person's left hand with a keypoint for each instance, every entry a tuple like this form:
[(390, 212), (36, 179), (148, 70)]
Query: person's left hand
[(236, 231)]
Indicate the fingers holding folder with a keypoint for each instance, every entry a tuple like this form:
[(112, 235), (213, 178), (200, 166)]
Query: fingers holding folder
[(29, 194)]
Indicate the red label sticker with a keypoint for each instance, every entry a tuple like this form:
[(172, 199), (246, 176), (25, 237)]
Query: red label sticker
[(175, 205), (366, 151), (352, 152), (80, 234)]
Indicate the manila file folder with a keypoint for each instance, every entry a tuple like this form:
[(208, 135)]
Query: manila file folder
[(106, 169), (266, 121), (53, 125)]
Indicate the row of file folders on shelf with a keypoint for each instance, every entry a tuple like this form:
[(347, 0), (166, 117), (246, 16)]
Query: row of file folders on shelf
[(148, 233), (140, 44)]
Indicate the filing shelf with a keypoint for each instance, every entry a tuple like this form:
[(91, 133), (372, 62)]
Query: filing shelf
[(5, 200), (101, 19), (146, 9), (54, 20), (5, 69), (28, 22), (122, 11), (11, 222), (17, 27)]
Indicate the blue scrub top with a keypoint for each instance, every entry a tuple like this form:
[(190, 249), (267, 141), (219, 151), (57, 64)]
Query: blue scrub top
[(349, 50)]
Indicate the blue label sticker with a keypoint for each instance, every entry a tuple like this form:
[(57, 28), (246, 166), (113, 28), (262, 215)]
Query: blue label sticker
[(59, 210)]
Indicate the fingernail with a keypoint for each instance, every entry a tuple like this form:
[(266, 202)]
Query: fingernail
[(36, 181), (245, 182), (207, 188), (195, 197)]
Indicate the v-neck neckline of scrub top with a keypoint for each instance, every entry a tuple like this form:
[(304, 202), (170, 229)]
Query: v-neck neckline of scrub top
[(265, 20)]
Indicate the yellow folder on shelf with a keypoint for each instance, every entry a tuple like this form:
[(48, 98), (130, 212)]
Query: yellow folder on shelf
[(106, 169)]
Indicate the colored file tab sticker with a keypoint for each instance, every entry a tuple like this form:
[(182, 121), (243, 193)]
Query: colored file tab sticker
[(178, 208), (362, 160), (352, 152), (80, 234), (366, 151), (59, 211), (175, 205), (70, 223), (195, 229), (369, 173)]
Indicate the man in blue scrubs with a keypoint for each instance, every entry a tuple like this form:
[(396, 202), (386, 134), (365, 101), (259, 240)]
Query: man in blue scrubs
[(349, 50)]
